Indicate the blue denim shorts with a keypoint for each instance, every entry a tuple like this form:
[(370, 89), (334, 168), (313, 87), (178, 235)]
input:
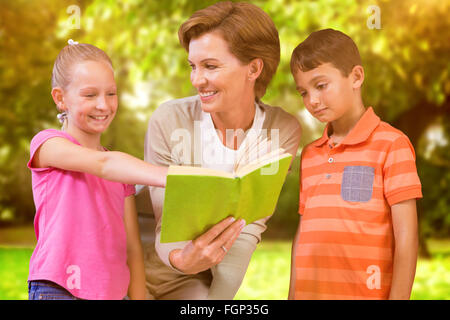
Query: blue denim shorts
[(47, 290)]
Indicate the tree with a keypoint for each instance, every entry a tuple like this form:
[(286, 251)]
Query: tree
[(406, 60)]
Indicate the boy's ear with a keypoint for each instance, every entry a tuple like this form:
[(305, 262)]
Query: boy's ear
[(58, 98), (255, 69), (357, 75)]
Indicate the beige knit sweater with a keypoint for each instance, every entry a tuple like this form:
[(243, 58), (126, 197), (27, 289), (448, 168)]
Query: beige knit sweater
[(172, 138)]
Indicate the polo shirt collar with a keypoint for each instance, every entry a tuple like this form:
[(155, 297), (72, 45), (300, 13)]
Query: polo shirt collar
[(360, 132)]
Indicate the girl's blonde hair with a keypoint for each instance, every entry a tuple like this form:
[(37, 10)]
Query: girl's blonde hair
[(70, 55)]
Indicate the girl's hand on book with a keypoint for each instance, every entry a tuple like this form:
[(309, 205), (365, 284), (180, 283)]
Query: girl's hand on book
[(208, 249)]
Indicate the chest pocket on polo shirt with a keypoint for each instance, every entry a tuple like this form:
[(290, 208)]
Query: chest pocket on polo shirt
[(357, 183)]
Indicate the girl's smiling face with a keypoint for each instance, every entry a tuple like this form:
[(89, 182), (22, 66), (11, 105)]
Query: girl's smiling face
[(90, 99)]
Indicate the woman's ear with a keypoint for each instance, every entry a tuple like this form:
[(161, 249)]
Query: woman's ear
[(58, 98), (357, 75), (255, 69)]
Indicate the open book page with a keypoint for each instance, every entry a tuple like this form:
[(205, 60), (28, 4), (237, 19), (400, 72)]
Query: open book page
[(198, 198), (269, 158), (198, 171), (255, 147), (194, 203)]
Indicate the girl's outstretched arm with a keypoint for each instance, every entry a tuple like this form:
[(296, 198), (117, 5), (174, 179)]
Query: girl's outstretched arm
[(116, 166), (135, 260)]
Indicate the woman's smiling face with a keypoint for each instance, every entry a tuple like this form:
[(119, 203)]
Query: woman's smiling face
[(220, 78)]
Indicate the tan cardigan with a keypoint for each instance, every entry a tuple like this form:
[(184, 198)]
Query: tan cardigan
[(175, 122)]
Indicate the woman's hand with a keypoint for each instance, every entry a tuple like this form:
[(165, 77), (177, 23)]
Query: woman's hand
[(208, 249)]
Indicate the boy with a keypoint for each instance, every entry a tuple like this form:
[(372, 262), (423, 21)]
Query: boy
[(359, 184)]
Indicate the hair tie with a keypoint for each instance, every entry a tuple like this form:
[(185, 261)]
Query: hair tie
[(62, 117), (71, 42)]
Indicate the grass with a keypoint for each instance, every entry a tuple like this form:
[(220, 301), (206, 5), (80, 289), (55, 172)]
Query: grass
[(14, 272), (268, 273), (433, 276), (267, 276)]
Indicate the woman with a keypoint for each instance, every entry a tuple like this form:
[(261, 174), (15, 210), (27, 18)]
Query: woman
[(233, 50)]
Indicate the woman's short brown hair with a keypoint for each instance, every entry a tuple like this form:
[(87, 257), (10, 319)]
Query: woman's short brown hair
[(326, 46), (248, 30)]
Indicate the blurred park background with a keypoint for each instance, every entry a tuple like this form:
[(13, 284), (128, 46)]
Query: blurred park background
[(405, 48)]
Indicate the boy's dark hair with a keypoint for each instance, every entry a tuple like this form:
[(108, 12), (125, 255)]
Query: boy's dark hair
[(326, 46)]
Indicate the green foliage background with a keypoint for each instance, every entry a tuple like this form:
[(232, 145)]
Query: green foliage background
[(407, 65)]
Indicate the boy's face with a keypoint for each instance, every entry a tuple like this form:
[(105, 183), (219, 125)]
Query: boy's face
[(327, 94)]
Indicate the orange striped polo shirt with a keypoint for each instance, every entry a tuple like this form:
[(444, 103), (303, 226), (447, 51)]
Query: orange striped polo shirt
[(346, 242)]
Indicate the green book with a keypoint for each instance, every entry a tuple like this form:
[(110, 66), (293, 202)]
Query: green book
[(198, 198)]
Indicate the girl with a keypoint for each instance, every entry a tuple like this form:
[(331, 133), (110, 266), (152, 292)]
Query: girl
[(88, 244)]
